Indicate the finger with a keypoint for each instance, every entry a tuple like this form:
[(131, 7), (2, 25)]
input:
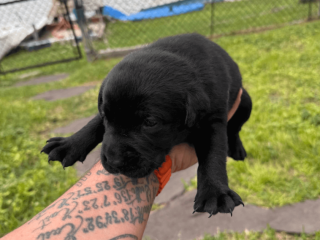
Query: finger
[(183, 156), (235, 105)]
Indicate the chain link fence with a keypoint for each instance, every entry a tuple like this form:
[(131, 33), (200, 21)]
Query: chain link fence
[(251, 15), (132, 22), (40, 32), (125, 23), (119, 24), (36, 33)]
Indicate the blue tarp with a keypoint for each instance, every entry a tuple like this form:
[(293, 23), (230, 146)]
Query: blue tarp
[(109, 11), (159, 12)]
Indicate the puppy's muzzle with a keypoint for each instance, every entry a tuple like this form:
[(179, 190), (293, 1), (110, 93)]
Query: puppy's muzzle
[(120, 159), (113, 159)]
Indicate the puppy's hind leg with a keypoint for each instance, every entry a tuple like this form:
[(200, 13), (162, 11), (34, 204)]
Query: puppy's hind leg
[(76, 147), (235, 147)]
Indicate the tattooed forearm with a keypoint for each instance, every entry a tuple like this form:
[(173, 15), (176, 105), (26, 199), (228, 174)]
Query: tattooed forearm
[(104, 172), (98, 201), (116, 217), (127, 236), (83, 179), (69, 230)]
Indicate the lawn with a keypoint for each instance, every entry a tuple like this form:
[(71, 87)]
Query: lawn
[(27, 182), (23, 58), (280, 70), (228, 17)]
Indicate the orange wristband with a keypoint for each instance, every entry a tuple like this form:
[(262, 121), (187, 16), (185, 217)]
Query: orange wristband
[(163, 173)]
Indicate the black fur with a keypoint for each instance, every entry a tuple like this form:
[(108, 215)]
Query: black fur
[(178, 89)]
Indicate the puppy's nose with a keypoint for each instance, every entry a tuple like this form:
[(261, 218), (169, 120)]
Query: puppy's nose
[(113, 159), (115, 162)]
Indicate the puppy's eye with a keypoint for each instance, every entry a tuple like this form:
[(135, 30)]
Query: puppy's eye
[(150, 122)]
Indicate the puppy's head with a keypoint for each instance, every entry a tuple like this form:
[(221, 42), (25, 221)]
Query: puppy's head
[(148, 104)]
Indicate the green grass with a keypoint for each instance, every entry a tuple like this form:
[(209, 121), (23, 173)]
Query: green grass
[(229, 17), (27, 182), (23, 58), (280, 70)]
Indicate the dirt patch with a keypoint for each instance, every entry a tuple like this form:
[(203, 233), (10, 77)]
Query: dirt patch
[(54, 95), (44, 79)]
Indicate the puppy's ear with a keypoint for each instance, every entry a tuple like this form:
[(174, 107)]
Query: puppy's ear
[(197, 103), (100, 100)]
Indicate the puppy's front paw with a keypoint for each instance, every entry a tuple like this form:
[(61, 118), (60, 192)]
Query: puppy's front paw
[(212, 201), (64, 150)]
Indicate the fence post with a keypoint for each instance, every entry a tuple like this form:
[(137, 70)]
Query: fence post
[(212, 18), (86, 39), (310, 10), (72, 28)]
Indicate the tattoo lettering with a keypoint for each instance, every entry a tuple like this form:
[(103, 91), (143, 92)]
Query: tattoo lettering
[(120, 183), (104, 185), (94, 207), (101, 186), (138, 191), (105, 202), (64, 202), (83, 179), (90, 226), (104, 172), (113, 217), (126, 236), (67, 215), (92, 203), (140, 211), (70, 235)]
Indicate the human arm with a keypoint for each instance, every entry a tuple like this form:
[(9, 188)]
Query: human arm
[(99, 206), (88, 210)]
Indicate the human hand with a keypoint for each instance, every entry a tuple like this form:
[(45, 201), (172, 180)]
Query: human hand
[(184, 155)]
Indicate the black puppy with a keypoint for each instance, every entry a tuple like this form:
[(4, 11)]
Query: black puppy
[(178, 89)]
